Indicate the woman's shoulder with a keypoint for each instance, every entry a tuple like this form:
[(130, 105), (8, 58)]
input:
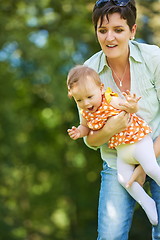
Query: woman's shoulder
[(94, 60), (147, 49), (147, 53)]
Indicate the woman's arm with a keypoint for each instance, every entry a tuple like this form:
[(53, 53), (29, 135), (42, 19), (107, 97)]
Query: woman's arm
[(113, 125)]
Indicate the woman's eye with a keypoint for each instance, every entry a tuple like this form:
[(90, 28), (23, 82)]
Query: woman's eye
[(89, 96), (78, 100), (102, 31), (118, 30)]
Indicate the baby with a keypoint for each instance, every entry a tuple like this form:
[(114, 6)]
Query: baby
[(133, 145)]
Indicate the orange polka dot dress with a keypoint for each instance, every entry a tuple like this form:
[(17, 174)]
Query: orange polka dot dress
[(133, 133)]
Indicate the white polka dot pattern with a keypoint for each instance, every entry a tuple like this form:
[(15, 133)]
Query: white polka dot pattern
[(135, 132)]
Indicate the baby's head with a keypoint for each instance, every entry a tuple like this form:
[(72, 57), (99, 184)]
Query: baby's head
[(78, 76), (85, 87)]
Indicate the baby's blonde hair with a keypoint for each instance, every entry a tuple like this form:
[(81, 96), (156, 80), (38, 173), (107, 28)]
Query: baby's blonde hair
[(79, 73)]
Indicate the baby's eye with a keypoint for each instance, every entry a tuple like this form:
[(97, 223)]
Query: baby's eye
[(89, 96), (79, 100)]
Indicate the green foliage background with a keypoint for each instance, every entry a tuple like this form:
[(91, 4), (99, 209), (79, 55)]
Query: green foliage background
[(49, 184)]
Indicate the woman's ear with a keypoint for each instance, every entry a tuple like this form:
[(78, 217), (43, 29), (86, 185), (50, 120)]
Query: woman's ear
[(133, 31)]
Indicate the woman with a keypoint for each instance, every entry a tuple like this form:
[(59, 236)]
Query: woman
[(123, 64)]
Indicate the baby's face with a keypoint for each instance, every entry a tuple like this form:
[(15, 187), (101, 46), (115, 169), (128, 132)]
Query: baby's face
[(88, 95)]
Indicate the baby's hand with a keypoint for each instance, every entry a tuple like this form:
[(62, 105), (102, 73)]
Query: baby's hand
[(130, 105), (74, 133)]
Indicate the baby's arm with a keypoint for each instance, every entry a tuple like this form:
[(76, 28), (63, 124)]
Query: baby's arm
[(78, 132), (129, 104)]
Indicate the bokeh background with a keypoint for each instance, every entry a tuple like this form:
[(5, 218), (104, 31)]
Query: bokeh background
[(49, 184)]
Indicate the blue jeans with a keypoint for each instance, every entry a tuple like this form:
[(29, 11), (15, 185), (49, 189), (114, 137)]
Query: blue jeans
[(116, 207)]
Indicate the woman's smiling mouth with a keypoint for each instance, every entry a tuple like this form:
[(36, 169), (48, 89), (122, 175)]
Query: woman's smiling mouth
[(111, 46)]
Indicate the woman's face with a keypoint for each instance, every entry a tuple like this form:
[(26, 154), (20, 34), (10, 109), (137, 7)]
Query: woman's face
[(113, 36)]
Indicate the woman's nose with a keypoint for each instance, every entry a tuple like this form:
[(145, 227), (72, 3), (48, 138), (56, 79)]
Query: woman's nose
[(110, 36)]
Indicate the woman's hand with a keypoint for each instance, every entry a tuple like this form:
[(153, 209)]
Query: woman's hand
[(138, 176), (113, 125), (119, 122)]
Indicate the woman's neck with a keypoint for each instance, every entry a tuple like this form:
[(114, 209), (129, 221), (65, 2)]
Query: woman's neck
[(121, 72), (118, 64)]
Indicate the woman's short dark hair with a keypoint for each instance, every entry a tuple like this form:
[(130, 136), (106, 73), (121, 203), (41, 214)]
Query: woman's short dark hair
[(129, 12)]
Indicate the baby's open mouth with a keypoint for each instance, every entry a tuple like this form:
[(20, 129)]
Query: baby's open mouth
[(91, 108)]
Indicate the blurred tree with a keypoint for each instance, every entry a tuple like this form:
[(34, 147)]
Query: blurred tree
[(49, 183)]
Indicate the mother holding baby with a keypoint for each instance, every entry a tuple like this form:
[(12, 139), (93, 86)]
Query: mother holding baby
[(123, 64)]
